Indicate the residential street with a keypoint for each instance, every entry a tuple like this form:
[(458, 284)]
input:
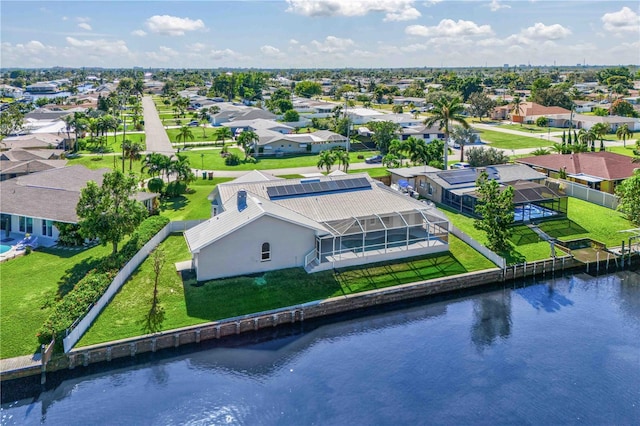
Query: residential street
[(156, 136)]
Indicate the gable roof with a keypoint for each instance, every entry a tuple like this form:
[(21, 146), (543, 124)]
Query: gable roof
[(230, 220), (604, 165), (29, 166), (503, 173)]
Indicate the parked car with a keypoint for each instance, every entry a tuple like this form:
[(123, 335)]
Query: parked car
[(194, 123), (374, 160), (460, 165)]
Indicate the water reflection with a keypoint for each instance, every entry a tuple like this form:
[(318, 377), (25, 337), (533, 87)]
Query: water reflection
[(544, 296), (491, 319)]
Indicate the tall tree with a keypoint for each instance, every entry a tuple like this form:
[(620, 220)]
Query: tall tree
[(184, 133), (383, 133), (203, 118), (246, 139), (480, 105), (629, 193), (223, 134), (446, 113), (624, 133), (517, 107), (326, 160), (463, 136), (495, 208), (132, 151), (110, 211)]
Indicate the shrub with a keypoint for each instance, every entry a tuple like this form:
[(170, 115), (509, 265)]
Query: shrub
[(232, 160), (176, 188), (91, 287), (69, 234), (155, 185)]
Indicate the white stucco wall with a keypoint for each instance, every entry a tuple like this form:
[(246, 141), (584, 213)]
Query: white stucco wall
[(37, 228), (240, 252)]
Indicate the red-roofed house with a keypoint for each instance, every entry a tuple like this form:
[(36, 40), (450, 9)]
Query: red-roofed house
[(529, 112), (598, 170)]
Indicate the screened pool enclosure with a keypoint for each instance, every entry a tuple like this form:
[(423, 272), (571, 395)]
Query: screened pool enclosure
[(379, 235)]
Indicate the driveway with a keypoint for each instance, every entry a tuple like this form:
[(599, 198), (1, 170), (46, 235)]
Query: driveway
[(157, 139)]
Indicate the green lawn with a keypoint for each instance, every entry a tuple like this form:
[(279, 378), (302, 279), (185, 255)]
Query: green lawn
[(105, 161), (209, 134), (584, 220), (530, 128), (187, 303), (510, 141), (212, 160), (193, 205), (114, 144), (30, 285), (628, 150)]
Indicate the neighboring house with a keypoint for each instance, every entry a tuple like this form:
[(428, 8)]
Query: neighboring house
[(35, 141), (316, 223), (581, 121), (275, 143), (42, 87), (406, 101), (584, 106), (17, 162), (7, 91), (597, 170), (456, 188), (238, 126), (31, 204), (230, 113), (363, 115), (429, 134), (529, 112), (402, 120)]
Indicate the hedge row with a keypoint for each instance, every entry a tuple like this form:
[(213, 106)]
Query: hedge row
[(90, 288)]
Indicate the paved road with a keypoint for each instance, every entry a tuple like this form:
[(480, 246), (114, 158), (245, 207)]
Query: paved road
[(157, 139)]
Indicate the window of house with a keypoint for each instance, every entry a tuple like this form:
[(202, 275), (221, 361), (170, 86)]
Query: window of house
[(429, 189), (47, 228), (266, 252), (26, 224)]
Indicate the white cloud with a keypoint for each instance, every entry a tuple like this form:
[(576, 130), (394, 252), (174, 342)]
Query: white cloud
[(83, 19), (172, 25), (450, 28), (99, 47), (405, 15), (271, 51), (624, 21), (394, 10), (85, 26), (64, 18), (496, 6), (222, 54), (139, 33), (294, 41), (541, 31), (196, 47), (333, 44)]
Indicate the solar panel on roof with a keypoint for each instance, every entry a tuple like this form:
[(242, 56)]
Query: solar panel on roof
[(317, 187), (456, 177)]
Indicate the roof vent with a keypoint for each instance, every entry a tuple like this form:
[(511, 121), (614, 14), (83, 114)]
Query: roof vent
[(242, 200)]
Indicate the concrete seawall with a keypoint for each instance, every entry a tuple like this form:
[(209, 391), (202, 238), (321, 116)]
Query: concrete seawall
[(109, 351)]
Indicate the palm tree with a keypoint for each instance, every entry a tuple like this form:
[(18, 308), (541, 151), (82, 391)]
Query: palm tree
[(463, 136), (516, 106), (247, 138), (445, 112), (587, 138), (183, 134), (624, 133), (343, 158), (224, 133), (132, 151), (156, 164), (326, 160), (600, 129), (68, 121), (213, 111), (399, 149), (417, 150), (203, 117)]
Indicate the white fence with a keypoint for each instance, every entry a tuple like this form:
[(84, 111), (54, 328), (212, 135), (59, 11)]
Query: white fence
[(72, 337), (492, 256), (585, 193)]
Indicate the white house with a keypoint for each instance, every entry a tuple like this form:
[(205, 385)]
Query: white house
[(262, 223)]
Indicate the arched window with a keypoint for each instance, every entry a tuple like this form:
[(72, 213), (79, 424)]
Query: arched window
[(266, 252)]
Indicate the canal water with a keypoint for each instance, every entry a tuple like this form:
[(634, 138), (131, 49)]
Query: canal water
[(560, 351)]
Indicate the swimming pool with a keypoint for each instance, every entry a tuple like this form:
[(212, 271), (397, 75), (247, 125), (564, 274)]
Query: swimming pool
[(4, 248), (531, 211)]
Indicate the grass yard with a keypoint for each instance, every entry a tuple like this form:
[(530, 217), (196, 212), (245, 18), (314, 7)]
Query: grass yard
[(585, 220), (114, 144), (212, 160), (188, 303), (509, 141), (30, 285), (194, 205), (373, 172), (105, 161), (628, 150), (209, 134), (531, 128)]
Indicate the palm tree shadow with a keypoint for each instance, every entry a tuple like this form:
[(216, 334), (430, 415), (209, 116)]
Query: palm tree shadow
[(154, 319)]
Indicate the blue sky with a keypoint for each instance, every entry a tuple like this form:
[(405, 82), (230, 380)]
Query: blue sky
[(318, 33)]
